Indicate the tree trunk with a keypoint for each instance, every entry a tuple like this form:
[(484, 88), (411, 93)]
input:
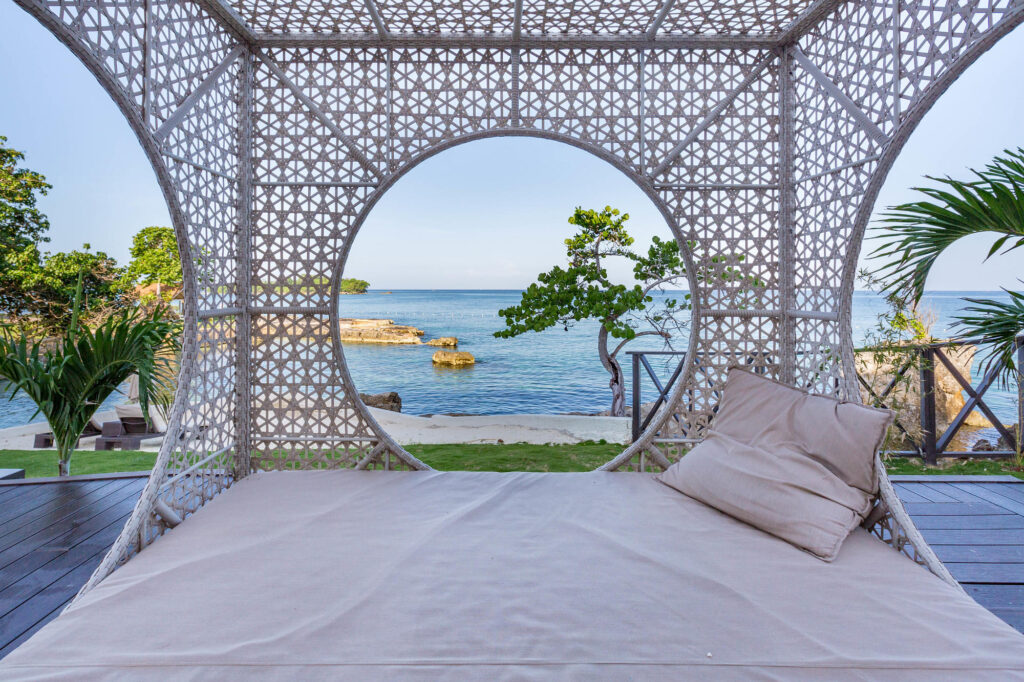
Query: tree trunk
[(64, 460), (617, 382)]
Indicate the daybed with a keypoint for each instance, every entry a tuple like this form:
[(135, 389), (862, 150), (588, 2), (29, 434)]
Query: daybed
[(762, 132), (459, 575)]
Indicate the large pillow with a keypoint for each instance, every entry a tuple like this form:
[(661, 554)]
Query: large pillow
[(798, 466)]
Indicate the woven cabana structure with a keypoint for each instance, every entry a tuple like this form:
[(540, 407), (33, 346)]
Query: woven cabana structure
[(760, 129)]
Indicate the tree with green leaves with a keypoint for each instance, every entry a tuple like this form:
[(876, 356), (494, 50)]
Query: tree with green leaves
[(69, 379), (914, 235), (47, 285), (155, 260), (22, 224), (583, 290), (21, 221)]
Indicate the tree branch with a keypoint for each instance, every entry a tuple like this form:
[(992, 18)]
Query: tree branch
[(659, 282), (639, 334)]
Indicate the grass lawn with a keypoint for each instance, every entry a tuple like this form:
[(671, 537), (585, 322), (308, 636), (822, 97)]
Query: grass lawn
[(955, 467), (510, 457), (516, 457), (37, 463)]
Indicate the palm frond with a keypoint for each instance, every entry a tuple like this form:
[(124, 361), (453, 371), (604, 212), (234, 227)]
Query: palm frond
[(914, 235), (69, 379), (996, 326)]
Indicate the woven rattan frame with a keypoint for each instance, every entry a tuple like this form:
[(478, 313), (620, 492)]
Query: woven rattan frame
[(761, 129)]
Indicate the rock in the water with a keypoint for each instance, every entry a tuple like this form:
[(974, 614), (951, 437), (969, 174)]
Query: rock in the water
[(450, 358), (385, 401), (352, 330), (1002, 444), (447, 341), (982, 445)]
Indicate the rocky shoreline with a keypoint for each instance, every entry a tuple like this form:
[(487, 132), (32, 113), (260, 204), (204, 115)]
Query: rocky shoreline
[(374, 331), (357, 330)]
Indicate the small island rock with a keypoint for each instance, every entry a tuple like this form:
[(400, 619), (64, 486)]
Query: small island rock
[(453, 358), (446, 341), (355, 330), (385, 401)]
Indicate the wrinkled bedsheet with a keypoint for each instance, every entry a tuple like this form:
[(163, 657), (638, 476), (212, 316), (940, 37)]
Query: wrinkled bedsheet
[(522, 576)]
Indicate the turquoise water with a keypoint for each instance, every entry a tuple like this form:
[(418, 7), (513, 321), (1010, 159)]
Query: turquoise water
[(551, 372)]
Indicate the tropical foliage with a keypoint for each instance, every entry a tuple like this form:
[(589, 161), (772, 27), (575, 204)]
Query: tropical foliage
[(36, 288), (47, 285), (69, 378), (914, 235), (21, 222), (155, 260), (583, 290)]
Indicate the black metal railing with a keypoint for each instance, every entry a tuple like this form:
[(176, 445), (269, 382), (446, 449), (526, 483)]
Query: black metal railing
[(639, 359), (760, 362), (930, 445)]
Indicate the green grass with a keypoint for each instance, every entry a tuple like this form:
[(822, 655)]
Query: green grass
[(38, 463), (510, 457), (516, 457), (953, 467)]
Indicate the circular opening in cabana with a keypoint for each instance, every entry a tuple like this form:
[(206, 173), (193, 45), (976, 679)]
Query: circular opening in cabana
[(473, 330)]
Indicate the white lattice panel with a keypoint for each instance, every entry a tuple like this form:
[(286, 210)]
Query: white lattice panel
[(759, 127)]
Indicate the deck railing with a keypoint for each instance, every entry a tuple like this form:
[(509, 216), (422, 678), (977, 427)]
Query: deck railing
[(933, 444), (930, 445), (639, 359)]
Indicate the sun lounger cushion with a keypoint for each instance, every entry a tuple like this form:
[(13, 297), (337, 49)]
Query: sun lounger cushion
[(795, 465), (463, 575), (157, 421)]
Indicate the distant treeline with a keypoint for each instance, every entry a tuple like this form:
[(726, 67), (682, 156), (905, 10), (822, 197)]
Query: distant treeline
[(350, 285)]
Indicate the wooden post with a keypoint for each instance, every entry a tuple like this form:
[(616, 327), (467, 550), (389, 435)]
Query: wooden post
[(636, 395), (928, 405)]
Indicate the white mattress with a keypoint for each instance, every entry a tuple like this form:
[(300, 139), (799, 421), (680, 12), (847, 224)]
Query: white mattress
[(428, 576)]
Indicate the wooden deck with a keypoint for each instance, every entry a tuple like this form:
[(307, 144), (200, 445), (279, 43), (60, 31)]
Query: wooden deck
[(976, 526), (53, 534)]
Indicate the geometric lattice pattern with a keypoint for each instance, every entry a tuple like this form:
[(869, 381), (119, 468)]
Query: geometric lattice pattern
[(762, 129)]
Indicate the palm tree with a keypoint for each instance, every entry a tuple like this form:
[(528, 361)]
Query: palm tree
[(914, 235), (68, 379)]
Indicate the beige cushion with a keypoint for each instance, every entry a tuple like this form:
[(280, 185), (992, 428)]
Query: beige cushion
[(420, 576), (128, 411), (157, 420), (798, 466)]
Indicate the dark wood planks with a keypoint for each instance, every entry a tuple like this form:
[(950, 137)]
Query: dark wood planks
[(52, 537), (976, 528)]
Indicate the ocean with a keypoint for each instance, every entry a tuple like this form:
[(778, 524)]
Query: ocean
[(555, 371)]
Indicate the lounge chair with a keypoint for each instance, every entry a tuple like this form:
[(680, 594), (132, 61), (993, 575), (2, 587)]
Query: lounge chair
[(45, 440), (131, 429)]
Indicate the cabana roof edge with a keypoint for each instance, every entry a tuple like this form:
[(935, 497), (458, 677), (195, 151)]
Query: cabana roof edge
[(651, 37)]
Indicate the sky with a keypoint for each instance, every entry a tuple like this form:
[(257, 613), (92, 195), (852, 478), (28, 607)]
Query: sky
[(489, 214)]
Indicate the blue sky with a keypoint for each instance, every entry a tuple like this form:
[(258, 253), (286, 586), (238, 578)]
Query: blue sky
[(488, 214)]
